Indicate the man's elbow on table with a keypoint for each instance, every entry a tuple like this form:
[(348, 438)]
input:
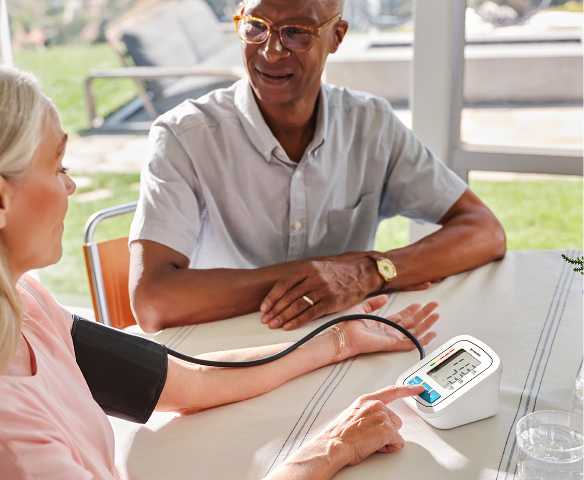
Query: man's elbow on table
[(147, 313), (501, 241), (484, 236), (152, 287), (155, 308), (494, 235)]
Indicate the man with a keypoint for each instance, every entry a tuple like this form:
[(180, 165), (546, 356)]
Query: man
[(267, 195)]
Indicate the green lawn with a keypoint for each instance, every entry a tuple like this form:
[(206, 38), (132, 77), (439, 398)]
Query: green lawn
[(536, 214), (61, 71)]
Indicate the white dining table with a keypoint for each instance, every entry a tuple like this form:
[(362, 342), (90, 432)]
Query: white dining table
[(526, 307)]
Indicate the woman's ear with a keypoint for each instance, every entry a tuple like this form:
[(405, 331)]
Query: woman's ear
[(4, 186)]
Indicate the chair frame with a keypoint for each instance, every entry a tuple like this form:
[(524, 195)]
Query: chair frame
[(113, 34), (102, 310)]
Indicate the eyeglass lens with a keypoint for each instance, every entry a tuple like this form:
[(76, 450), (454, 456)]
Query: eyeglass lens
[(295, 38)]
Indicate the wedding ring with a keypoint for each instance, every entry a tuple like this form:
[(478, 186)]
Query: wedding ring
[(308, 300)]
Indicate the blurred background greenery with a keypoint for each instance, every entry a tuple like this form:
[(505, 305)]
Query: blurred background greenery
[(61, 71)]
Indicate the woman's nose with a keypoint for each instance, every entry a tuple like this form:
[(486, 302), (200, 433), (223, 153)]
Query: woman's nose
[(70, 185)]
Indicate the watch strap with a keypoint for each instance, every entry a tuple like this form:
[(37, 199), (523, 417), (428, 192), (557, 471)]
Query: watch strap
[(376, 257)]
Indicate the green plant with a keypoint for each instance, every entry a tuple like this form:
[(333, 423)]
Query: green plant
[(578, 261)]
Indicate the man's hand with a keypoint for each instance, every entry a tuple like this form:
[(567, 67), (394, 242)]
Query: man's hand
[(331, 283)]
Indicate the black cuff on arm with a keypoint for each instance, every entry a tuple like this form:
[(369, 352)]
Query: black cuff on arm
[(125, 373)]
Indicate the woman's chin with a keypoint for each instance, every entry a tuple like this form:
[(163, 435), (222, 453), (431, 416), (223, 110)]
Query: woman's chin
[(52, 259)]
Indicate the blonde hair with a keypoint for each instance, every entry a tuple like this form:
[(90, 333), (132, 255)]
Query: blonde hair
[(21, 114)]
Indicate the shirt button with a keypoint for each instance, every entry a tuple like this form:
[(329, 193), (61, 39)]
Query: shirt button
[(266, 153), (297, 174), (297, 226), (280, 151)]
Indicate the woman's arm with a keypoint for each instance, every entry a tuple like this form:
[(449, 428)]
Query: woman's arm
[(190, 388)]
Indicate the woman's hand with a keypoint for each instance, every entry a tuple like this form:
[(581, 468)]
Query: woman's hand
[(366, 336), (367, 426)]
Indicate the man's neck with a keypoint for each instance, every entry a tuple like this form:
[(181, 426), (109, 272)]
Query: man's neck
[(293, 124)]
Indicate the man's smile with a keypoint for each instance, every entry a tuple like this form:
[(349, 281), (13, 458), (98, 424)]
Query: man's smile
[(273, 77)]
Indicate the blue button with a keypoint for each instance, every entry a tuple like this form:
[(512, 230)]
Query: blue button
[(415, 381), (434, 395), (427, 387), (430, 397)]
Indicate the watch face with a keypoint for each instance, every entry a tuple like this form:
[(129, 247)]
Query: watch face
[(387, 269)]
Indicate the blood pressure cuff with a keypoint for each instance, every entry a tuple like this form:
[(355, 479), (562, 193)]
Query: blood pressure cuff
[(125, 373)]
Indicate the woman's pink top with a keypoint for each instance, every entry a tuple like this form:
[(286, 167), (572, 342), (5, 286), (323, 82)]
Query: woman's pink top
[(50, 426)]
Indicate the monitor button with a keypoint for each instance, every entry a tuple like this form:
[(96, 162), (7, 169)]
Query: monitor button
[(434, 395)]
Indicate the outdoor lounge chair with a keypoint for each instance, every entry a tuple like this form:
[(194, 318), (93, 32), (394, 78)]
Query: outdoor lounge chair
[(180, 51)]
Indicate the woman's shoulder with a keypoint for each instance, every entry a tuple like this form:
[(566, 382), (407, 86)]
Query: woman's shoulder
[(41, 308)]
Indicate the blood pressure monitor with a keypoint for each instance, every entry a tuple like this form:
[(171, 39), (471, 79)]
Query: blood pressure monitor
[(462, 380)]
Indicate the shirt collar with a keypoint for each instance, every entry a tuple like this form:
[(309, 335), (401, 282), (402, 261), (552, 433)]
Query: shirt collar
[(258, 131), (252, 120), (321, 121)]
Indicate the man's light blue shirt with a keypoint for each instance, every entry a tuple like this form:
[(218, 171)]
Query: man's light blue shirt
[(218, 188)]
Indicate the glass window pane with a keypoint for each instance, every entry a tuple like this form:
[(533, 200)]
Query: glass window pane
[(523, 80), (375, 55)]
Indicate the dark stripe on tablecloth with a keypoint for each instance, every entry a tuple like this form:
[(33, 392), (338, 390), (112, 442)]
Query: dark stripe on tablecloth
[(300, 418), (339, 370), (324, 403), (558, 299), (182, 336)]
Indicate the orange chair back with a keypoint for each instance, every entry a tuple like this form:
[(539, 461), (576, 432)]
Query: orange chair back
[(114, 257)]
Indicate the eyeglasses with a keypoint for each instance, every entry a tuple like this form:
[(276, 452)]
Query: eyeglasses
[(300, 38)]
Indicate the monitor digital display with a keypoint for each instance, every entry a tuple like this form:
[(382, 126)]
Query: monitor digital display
[(453, 369)]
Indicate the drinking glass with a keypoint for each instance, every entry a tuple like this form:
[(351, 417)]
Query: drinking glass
[(550, 446), (578, 393)]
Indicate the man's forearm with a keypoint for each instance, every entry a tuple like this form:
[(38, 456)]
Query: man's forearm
[(466, 241), (170, 295)]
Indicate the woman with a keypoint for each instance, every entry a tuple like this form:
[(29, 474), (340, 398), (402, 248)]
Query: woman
[(50, 426)]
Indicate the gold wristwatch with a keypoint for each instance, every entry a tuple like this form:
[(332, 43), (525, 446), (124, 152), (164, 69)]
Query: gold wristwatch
[(385, 267)]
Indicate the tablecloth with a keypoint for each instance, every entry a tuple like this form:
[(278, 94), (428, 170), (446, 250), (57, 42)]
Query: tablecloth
[(527, 307)]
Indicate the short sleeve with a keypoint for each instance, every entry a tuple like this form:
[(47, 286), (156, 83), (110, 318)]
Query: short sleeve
[(418, 185), (169, 209)]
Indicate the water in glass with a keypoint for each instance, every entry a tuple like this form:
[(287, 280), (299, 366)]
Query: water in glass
[(548, 450)]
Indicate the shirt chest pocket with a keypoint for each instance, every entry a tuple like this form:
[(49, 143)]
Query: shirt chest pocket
[(353, 229)]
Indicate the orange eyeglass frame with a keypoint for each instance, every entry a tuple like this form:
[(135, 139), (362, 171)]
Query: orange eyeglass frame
[(315, 31)]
